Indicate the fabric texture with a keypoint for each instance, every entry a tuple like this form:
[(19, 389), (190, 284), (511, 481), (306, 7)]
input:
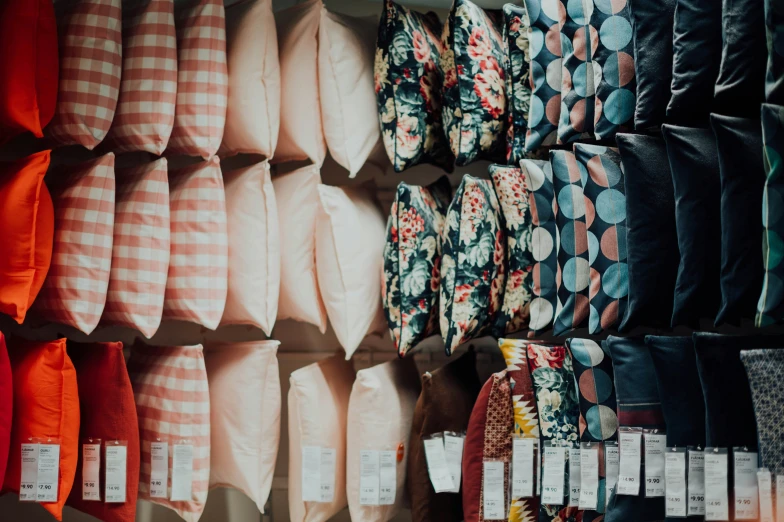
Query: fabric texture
[(578, 45), (6, 405), (140, 251), (764, 370), (518, 79), (774, 76), (173, 405), (253, 284), (74, 292), (245, 405)]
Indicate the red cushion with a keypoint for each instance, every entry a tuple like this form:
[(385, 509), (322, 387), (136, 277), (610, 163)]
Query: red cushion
[(6, 406)]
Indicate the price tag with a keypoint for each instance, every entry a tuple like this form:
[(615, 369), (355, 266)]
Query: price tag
[(765, 486), (553, 475), (437, 467), (522, 468), (182, 472), (589, 478), (329, 459), (746, 493), (655, 448), (575, 476), (631, 457), (494, 505), (612, 461), (48, 472), (696, 482), (675, 483), (116, 471), (91, 471), (28, 488), (779, 498), (159, 469), (538, 463), (716, 495), (387, 477), (453, 450), (369, 478)]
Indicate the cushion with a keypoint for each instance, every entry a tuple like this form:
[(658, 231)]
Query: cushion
[(202, 78), (697, 51), (573, 276), (544, 246), (407, 79), (245, 400), (445, 404), (412, 256), (488, 437), (546, 16), (74, 292), (108, 412), (148, 89), (6, 405), (380, 413), (173, 404), (651, 234), (472, 263), (346, 50), (695, 177), (254, 248), (774, 77), (474, 85), (297, 198), (349, 258), (767, 394), (140, 253), (604, 196), (253, 110), (577, 77), (38, 366), (518, 84), (27, 230), (739, 144), (196, 286), (29, 66), (301, 132), (90, 47), (318, 406)]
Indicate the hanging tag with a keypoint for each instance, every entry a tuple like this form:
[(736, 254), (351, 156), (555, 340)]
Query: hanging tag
[(630, 444), (453, 451), (779, 498), (717, 506), (494, 505), (655, 448), (387, 477), (311, 474), (553, 475), (329, 459), (369, 478), (522, 468), (612, 461), (589, 477), (574, 477), (159, 469), (437, 466), (696, 482), (765, 487), (675, 482), (182, 472), (91, 469), (116, 471), (538, 464), (28, 488), (746, 493), (48, 470)]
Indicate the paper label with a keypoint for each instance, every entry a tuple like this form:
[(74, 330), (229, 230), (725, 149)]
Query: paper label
[(716, 495), (553, 475), (696, 483), (28, 488), (589, 478), (329, 459), (746, 493), (116, 473), (655, 448), (369, 478), (675, 484), (631, 457), (182, 472), (159, 469), (538, 463), (48, 472), (453, 451), (494, 505), (522, 468), (779, 498), (612, 460), (765, 486), (437, 467), (91, 471), (574, 476), (387, 477)]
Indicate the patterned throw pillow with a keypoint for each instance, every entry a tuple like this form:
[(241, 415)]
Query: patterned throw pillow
[(472, 263), (577, 78), (474, 85), (765, 369), (518, 85), (412, 256), (774, 80), (407, 79)]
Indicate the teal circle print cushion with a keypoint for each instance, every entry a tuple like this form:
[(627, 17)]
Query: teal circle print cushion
[(605, 199), (474, 111), (407, 78), (774, 78), (412, 256), (577, 76), (518, 85), (472, 263)]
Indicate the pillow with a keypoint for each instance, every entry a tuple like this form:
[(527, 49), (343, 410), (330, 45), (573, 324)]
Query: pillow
[(739, 145), (651, 234), (108, 412), (37, 367), (345, 80), (6, 405), (253, 108), (472, 263), (349, 257), (448, 396), (28, 66), (412, 255), (407, 79), (774, 78), (173, 404), (74, 292), (380, 413), (196, 286), (767, 395), (518, 84), (254, 248), (301, 131), (577, 76), (318, 405), (695, 177), (26, 232), (245, 400), (606, 220), (573, 275), (202, 79), (514, 199), (140, 253), (544, 243), (90, 46), (297, 199), (546, 17), (474, 109), (148, 89)]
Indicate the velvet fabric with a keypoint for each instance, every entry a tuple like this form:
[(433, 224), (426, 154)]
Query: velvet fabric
[(6, 405), (774, 77)]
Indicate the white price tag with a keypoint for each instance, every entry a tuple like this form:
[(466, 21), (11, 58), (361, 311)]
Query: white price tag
[(116, 473), (329, 459), (159, 469), (538, 463), (696, 483), (574, 477), (553, 475), (91, 471), (311, 474), (522, 468), (28, 488), (631, 457), (675, 484), (369, 478), (779, 498), (437, 467), (589, 479), (746, 493), (182, 472), (494, 505), (717, 506), (48, 472), (453, 450), (612, 461), (387, 477), (765, 486), (655, 448)]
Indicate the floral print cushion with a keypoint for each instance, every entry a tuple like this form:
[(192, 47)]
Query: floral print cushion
[(472, 263), (577, 79), (474, 85), (407, 79), (518, 86), (411, 262)]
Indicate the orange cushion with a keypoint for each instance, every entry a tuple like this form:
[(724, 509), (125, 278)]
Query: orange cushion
[(28, 66), (46, 404), (26, 232)]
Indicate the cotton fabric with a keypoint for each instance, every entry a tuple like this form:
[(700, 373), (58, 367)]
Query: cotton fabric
[(6, 405), (763, 368), (578, 88)]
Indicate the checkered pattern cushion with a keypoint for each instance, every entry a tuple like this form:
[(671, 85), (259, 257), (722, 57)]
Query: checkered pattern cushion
[(140, 257), (74, 292), (90, 66), (172, 404), (203, 79), (198, 267), (148, 92)]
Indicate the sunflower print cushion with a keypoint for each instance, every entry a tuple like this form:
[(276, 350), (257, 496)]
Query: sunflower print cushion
[(577, 80), (407, 78), (518, 86), (474, 85), (472, 263)]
